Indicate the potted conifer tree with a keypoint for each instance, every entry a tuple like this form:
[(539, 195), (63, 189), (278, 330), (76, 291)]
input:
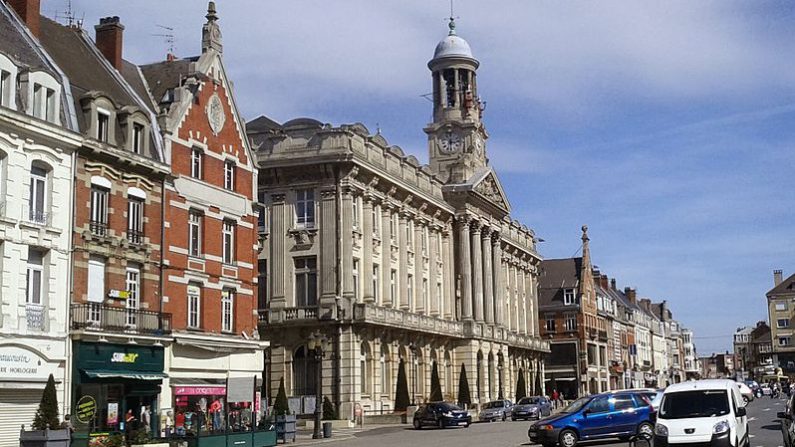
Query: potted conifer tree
[(47, 430), (436, 386), (463, 389), (285, 421)]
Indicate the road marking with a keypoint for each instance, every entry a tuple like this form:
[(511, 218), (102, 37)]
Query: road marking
[(751, 419), (751, 436), (766, 409)]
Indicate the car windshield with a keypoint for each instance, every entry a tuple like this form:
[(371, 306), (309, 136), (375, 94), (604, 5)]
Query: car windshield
[(576, 405), (495, 404), (694, 404), (447, 407), (529, 401)]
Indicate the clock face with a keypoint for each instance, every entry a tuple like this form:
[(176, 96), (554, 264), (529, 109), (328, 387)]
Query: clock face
[(449, 142)]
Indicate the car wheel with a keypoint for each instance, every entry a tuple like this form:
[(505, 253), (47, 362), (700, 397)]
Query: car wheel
[(504, 417), (646, 428), (417, 424), (441, 423), (513, 419), (745, 400), (568, 438)]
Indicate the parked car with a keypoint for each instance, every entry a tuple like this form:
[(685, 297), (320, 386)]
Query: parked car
[(441, 414), (620, 414), (754, 385), (534, 407), (787, 426), (746, 392), (703, 412), (652, 395), (496, 410)]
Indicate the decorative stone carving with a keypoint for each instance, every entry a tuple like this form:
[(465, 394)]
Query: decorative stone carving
[(303, 238), (488, 188), (215, 114)]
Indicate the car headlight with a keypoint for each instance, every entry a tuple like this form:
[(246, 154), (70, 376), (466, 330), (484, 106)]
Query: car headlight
[(660, 430), (720, 428), (447, 415)]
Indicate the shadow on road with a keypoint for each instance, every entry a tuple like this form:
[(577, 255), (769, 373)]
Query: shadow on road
[(770, 427)]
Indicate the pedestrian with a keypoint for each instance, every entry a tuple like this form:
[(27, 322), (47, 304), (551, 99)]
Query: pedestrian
[(555, 397)]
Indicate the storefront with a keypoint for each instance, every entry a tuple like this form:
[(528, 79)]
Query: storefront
[(24, 371), (115, 387)]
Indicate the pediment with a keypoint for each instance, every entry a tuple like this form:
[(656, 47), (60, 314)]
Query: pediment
[(486, 184)]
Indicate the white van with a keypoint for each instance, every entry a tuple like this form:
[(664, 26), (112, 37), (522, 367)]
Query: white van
[(703, 412)]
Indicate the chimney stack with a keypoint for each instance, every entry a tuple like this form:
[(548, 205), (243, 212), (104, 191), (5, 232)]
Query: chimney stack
[(30, 13), (631, 294), (109, 40), (613, 283), (778, 277)]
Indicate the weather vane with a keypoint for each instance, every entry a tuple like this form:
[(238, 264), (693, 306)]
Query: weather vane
[(452, 18)]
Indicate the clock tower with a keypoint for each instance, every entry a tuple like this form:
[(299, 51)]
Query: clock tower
[(456, 137)]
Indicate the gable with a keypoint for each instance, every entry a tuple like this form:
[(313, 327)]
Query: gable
[(490, 188)]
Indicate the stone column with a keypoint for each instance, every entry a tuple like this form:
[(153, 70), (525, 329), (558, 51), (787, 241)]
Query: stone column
[(367, 250), (328, 248), (520, 285), (433, 272), (419, 259), (464, 267), (532, 317), (404, 261), (278, 256), (488, 277), (511, 297), (386, 254), (347, 244), (477, 271), (448, 276), (498, 277)]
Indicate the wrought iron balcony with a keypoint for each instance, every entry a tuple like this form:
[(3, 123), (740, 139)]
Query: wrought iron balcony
[(135, 237), (36, 315), (99, 317), (99, 228), (39, 217)]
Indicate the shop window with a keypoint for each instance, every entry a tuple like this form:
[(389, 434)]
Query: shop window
[(306, 282)]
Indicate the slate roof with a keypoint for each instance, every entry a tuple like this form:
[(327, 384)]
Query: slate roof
[(15, 44), (134, 77), (556, 275), (166, 75), (786, 287)]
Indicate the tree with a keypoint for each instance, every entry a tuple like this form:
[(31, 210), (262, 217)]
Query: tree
[(521, 388), (47, 414), (436, 386), (463, 388), (402, 390), (329, 412), (281, 407)]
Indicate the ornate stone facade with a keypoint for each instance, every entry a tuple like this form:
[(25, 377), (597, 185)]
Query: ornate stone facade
[(393, 260)]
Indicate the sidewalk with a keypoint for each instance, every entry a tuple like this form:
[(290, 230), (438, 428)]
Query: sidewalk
[(304, 436)]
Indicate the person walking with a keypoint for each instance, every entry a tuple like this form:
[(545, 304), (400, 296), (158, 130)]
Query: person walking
[(555, 397)]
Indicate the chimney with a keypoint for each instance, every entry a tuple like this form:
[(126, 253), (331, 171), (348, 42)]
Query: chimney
[(778, 276), (613, 283), (630, 293), (109, 39), (30, 13), (603, 281)]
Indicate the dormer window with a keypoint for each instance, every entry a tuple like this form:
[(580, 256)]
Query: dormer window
[(43, 102), (103, 125), (137, 138), (569, 298), (5, 88)]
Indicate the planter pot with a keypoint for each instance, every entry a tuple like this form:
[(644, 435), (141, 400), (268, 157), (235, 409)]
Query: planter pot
[(264, 438), (285, 427), (44, 438), (335, 424)]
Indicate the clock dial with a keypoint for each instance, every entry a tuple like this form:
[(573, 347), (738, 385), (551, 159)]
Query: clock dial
[(450, 142)]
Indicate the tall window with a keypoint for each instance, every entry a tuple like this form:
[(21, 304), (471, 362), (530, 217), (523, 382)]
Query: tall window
[(133, 287), (262, 219), (35, 272), (425, 301), (305, 208), (425, 240), (410, 291), (5, 88), (410, 234), (196, 156), (376, 221), (37, 204), (229, 242), (99, 210), (103, 125), (782, 322), (550, 323), (356, 284), (229, 175), (195, 233), (570, 322), (227, 310), (376, 275), (363, 370), (569, 297), (355, 213), (135, 220), (43, 102), (393, 286), (96, 288), (393, 228), (194, 306), (439, 293), (138, 138), (306, 282), (384, 373)]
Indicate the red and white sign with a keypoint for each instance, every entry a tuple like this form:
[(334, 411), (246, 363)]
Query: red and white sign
[(200, 390)]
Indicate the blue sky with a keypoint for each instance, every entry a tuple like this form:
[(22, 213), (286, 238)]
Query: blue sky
[(666, 126)]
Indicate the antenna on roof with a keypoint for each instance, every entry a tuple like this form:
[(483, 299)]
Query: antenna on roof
[(169, 37), (69, 16), (428, 96)]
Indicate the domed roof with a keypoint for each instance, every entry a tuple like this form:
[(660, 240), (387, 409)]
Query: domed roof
[(452, 45)]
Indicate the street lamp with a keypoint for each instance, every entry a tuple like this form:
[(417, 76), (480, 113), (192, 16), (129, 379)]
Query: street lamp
[(499, 380), (318, 343), (414, 372)]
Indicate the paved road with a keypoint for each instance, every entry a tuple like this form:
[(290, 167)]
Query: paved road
[(764, 428)]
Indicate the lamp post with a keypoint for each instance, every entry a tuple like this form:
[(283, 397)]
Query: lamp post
[(499, 380), (414, 371), (318, 343)]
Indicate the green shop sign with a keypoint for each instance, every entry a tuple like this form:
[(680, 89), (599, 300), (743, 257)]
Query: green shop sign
[(86, 409)]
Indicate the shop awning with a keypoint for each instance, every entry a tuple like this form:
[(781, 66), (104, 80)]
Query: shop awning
[(135, 375)]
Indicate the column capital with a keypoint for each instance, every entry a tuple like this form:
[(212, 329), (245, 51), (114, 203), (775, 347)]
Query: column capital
[(328, 193), (476, 225), (278, 197)]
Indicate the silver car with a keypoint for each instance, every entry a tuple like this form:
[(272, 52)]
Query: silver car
[(496, 410), (534, 407)]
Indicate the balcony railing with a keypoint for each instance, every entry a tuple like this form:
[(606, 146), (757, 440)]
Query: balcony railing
[(98, 228), (39, 217), (35, 314), (135, 237), (284, 314), (95, 316)]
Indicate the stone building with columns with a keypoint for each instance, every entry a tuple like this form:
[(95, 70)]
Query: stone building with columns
[(393, 260)]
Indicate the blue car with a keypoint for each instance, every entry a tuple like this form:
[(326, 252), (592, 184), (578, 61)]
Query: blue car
[(603, 416)]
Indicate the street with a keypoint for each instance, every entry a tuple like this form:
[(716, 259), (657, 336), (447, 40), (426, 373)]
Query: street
[(764, 428)]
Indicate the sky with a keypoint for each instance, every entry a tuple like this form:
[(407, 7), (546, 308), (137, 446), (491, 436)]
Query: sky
[(665, 126)]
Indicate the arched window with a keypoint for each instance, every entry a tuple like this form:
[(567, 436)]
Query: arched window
[(304, 372)]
